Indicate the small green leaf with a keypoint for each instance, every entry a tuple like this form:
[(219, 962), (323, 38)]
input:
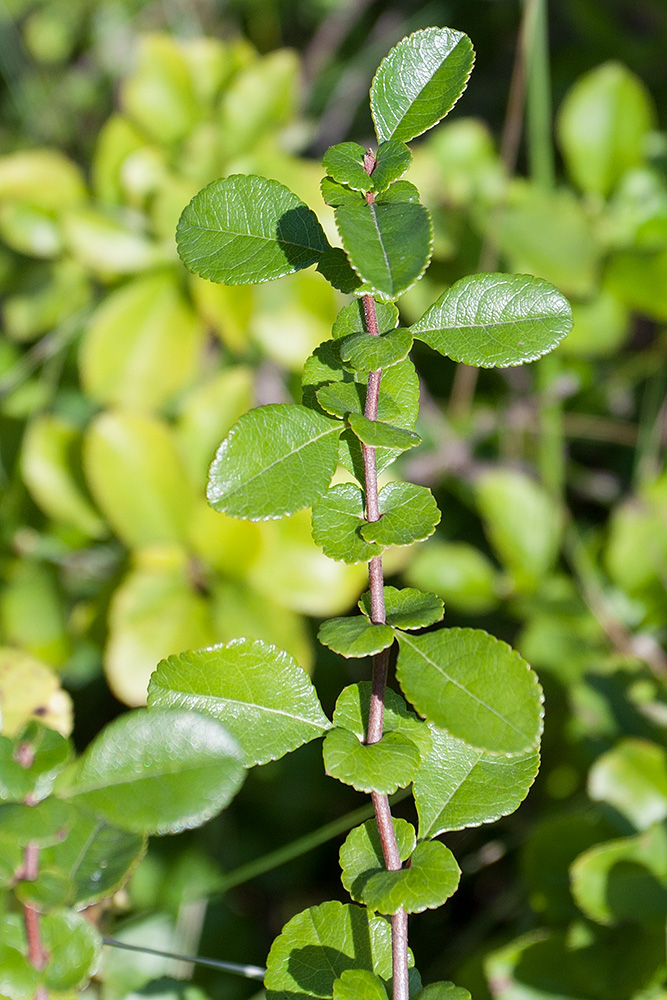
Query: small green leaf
[(352, 319), (442, 991), (47, 753), (624, 879), (377, 434), (397, 193), (359, 984), (407, 608), (45, 823), (433, 876), (336, 194), (47, 892), (345, 163), (355, 637), (74, 948), (340, 398), (158, 772), (366, 353), (459, 786), (419, 82), (276, 460), (389, 245), (318, 945), (263, 698), (393, 159), (408, 513), (377, 767), (243, 230), (353, 708), (632, 777), (18, 979), (337, 519), (496, 319), (474, 686), (361, 854), (335, 268)]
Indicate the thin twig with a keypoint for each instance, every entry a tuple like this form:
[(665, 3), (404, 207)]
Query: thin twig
[(247, 971)]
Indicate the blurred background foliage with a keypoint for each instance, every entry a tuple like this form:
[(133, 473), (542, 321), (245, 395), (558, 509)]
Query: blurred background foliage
[(120, 373)]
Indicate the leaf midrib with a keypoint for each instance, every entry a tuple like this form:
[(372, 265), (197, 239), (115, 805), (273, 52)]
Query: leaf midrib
[(252, 704)]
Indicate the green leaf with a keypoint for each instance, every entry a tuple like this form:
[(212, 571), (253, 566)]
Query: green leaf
[(336, 194), (496, 320), (459, 786), (318, 945), (359, 984), (352, 319), (11, 863), (43, 824), (335, 268), (345, 164), (407, 608), (389, 245), (264, 699), (74, 948), (442, 991), (419, 82), (458, 573), (639, 280), (43, 178), (377, 767), (602, 126), (393, 159), (340, 398), (18, 979), (433, 876), (624, 879), (47, 892), (46, 751), (242, 230), (366, 353), (276, 460), (337, 518), (158, 772), (361, 854), (408, 513), (632, 777), (523, 523), (96, 859), (474, 686), (377, 434), (353, 708), (355, 637), (397, 193)]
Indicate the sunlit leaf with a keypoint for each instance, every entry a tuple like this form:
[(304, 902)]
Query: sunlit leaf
[(355, 637), (407, 608), (377, 767), (337, 518), (408, 513), (632, 777)]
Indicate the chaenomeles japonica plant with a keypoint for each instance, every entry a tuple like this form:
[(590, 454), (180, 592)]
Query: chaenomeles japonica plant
[(464, 733)]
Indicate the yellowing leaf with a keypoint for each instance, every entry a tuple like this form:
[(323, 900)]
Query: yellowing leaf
[(30, 689)]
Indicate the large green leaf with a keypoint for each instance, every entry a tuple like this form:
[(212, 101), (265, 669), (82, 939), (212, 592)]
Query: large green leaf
[(319, 944), (632, 777), (624, 879), (474, 686), (158, 772), (276, 460), (459, 786), (496, 319), (419, 81), (74, 947), (355, 636), (243, 230), (338, 516), (408, 513), (602, 126), (407, 608), (376, 767), (389, 245), (265, 700)]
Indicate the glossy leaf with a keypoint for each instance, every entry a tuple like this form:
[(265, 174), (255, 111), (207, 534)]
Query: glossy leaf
[(474, 686), (459, 786), (632, 777), (276, 460), (345, 164), (359, 984), (47, 892), (407, 608), (44, 751), (408, 513), (361, 854), (263, 698), (74, 947), (335, 268), (158, 772), (242, 230), (355, 637), (377, 434), (388, 245), (45, 823), (337, 518), (366, 353), (624, 879), (352, 712), (337, 194), (419, 82), (433, 876), (442, 991), (340, 398), (318, 945), (496, 319), (352, 319), (18, 979), (377, 767), (393, 158)]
